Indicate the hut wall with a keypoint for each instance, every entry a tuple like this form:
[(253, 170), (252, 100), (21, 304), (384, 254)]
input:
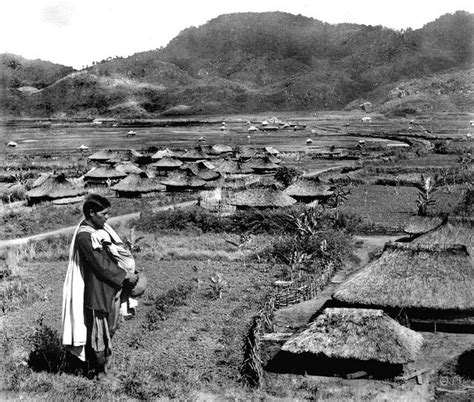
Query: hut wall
[(312, 364)]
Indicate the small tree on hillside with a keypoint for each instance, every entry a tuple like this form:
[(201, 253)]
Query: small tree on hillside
[(339, 195)]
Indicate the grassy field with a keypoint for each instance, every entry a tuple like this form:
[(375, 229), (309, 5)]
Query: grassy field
[(388, 208), (193, 347)]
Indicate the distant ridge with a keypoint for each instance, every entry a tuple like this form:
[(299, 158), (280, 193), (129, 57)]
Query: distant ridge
[(252, 62)]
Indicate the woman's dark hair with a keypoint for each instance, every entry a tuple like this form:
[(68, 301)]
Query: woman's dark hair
[(95, 203)]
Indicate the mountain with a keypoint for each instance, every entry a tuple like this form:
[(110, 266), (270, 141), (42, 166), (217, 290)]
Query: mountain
[(17, 72), (252, 62)]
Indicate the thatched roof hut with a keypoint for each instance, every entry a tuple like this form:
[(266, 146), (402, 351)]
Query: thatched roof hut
[(183, 180), (166, 164), (52, 188), (227, 166), (128, 167), (245, 168), (306, 190), (262, 165), (361, 334), (103, 156), (244, 153), (103, 176), (136, 184), (163, 153), (115, 159), (202, 169), (260, 198), (422, 224), (194, 155), (219, 149), (424, 280)]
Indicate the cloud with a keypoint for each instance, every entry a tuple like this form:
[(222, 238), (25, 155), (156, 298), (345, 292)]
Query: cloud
[(58, 14)]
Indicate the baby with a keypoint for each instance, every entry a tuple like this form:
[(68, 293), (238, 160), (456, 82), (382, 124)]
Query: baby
[(101, 239)]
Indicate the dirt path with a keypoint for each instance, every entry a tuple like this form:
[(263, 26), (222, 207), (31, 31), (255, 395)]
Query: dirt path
[(70, 229), (299, 315), (314, 173)]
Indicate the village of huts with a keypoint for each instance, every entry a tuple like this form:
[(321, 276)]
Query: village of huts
[(370, 326)]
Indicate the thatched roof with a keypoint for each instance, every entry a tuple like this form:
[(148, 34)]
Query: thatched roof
[(194, 154), (104, 155), (56, 187), (308, 188), (134, 153), (227, 166), (139, 183), (452, 232), (273, 159), (271, 150), (202, 169), (128, 167), (183, 179), (362, 334), (104, 173), (414, 276), (116, 158), (163, 153), (422, 224), (218, 149), (41, 179), (167, 163), (262, 164), (245, 152), (261, 197)]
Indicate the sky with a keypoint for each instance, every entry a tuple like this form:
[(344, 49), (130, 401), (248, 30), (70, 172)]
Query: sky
[(77, 32)]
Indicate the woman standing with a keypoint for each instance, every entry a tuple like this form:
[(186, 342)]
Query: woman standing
[(91, 293)]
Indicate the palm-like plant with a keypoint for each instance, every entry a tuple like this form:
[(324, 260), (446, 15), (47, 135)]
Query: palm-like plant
[(426, 190), (217, 284)]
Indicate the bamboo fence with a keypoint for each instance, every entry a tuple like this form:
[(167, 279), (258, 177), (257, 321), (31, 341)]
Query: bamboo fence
[(262, 322)]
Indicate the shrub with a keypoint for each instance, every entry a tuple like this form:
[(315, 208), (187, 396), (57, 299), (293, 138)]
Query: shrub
[(14, 193), (164, 305), (311, 253), (287, 175), (181, 219), (47, 352)]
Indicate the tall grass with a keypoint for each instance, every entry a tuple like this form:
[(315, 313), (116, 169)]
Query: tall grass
[(15, 294)]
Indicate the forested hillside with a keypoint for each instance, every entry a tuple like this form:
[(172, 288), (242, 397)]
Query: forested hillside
[(249, 62)]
